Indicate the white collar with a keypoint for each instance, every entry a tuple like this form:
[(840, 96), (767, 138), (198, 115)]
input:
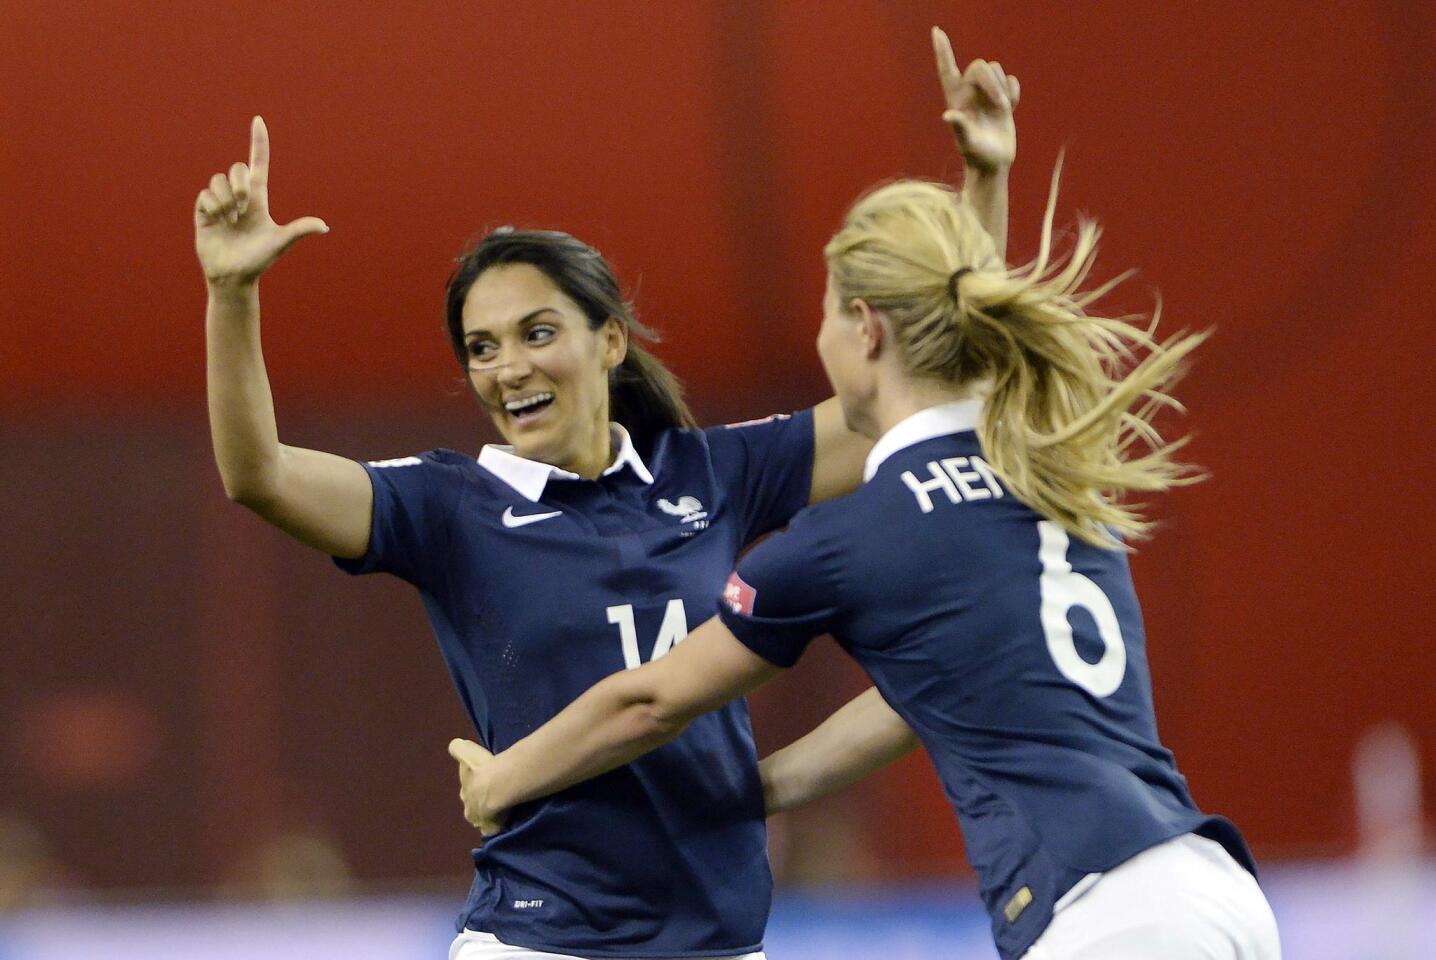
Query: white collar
[(929, 422), (530, 477)]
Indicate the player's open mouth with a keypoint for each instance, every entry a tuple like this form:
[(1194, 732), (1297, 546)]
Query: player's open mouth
[(526, 410)]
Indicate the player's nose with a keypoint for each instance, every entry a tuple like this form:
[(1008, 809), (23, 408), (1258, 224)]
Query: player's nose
[(514, 371)]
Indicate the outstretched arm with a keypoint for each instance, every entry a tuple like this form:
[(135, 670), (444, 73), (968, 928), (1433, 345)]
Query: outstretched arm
[(614, 722), (321, 499), (838, 453), (862, 737)]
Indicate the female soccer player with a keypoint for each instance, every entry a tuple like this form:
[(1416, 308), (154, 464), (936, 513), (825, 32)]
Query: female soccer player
[(580, 548), (979, 576)]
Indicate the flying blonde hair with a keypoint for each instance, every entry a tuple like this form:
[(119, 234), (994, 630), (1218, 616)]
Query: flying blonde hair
[(1070, 397)]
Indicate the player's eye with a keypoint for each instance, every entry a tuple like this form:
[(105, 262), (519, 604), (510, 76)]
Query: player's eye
[(541, 333), (481, 350)]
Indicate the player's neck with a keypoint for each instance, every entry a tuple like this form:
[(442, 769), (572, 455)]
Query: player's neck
[(900, 397), (598, 452)]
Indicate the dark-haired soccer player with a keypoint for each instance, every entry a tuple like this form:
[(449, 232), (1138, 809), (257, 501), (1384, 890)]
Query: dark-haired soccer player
[(584, 546)]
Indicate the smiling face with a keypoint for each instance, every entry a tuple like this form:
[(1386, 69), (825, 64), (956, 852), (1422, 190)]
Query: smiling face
[(540, 369)]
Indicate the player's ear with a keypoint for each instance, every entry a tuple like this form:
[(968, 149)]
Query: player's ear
[(871, 329), (613, 342)]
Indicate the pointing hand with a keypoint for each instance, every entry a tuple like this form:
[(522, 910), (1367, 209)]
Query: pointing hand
[(978, 107), (234, 235)]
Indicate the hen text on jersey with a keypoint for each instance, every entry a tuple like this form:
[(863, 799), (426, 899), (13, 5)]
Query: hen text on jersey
[(950, 476)]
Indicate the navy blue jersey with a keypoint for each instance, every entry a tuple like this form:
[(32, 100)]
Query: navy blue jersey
[(539, 584), (1015, 652)]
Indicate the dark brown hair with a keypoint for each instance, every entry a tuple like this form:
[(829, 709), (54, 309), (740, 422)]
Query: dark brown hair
[(643, 394)]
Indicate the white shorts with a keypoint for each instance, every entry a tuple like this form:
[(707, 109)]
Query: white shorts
[(1185, 899), (473, 945)]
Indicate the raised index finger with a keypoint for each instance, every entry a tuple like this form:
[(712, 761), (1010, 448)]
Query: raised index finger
[(258, 150), (946, 62)]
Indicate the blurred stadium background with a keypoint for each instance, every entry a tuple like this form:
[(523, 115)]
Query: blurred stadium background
[(208, 736)]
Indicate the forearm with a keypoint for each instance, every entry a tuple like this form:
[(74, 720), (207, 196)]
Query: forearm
[(861, 737), (623, 717), (611, 724), (241, 407), (838, 453), (986, 193)]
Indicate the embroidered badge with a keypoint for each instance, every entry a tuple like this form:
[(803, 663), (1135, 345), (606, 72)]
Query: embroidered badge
[(687, 510), (738, 595), (1017, 904)]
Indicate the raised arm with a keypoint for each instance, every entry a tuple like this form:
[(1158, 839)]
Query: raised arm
[(863, 736), (323, 500), (616, 721), (978, 106)]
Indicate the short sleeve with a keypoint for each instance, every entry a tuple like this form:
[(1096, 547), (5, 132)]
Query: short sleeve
[(767, 466), (785, 592), (409, 532)]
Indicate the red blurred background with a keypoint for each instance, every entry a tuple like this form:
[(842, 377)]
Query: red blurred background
[(179, 685)]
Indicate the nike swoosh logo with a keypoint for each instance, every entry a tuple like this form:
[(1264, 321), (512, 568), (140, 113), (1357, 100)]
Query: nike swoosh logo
[(512, 521)]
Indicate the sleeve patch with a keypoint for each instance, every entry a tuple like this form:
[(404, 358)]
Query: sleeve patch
[(399, 462), (738, 595)]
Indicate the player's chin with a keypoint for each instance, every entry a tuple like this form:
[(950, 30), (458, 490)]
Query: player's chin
[(541, 442), (544, 436), (521, 433)]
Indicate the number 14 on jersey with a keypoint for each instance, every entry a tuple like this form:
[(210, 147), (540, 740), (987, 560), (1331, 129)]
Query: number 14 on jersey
[(671, 632)]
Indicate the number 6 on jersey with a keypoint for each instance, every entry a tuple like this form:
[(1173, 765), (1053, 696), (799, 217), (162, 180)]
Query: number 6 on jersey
[(672, 631), (1062, 589)]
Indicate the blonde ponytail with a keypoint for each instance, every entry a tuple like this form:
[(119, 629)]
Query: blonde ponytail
[(1070, 397)]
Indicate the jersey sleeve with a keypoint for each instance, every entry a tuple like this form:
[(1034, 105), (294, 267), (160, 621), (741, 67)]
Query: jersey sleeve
[(767, 466), (785, 592), (410, 529)]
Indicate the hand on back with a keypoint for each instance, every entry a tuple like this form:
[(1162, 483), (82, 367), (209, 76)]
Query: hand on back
[(235, 236), (475, 767)]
